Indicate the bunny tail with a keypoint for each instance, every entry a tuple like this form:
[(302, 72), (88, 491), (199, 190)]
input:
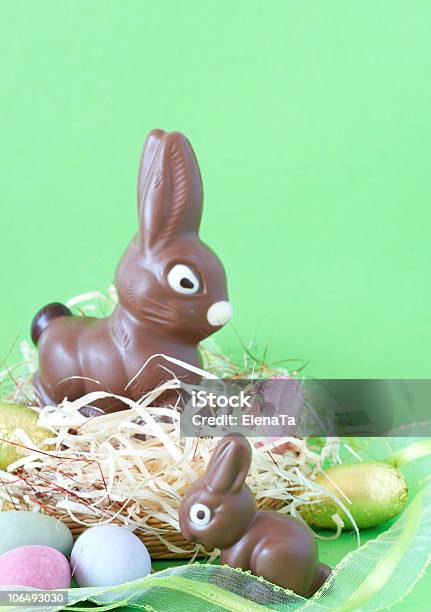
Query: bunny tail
[(44, 317), (323, 573)]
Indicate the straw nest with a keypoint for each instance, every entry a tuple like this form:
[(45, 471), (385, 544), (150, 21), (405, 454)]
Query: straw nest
[(131, 467)]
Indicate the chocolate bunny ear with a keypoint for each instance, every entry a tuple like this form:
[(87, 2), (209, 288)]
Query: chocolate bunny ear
[(229, 465), (169, 189)]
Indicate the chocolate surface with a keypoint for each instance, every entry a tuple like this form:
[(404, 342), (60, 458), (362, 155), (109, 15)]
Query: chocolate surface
[(171, 288), (219, 511)]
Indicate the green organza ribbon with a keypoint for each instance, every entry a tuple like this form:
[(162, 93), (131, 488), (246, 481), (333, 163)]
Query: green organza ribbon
[(373, 577)]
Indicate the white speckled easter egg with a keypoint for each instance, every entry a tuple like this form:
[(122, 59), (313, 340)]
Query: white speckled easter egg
[(108, 555), (41, 567), (22, 528)]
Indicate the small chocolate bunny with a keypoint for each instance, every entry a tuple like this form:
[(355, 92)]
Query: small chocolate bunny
[(219, 511), (171, 288)]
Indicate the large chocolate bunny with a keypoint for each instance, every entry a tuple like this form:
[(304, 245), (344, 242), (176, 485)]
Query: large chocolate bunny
[(219, 511), (171, 288)]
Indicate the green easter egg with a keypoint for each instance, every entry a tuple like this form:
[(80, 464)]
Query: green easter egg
[(21, 528), (377, 492), (13, 417)]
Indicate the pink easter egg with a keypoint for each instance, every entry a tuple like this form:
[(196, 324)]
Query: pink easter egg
[(41, 567)]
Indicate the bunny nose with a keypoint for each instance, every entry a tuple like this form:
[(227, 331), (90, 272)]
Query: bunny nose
[(219, 313)]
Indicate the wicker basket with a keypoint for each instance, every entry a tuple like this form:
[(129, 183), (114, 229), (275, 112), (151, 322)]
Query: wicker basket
[(155, 546)]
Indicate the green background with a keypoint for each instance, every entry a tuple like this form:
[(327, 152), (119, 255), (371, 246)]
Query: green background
[(311, 121)]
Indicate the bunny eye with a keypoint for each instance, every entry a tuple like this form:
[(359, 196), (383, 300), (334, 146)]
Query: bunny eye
[(200, 514), (182, 279)]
